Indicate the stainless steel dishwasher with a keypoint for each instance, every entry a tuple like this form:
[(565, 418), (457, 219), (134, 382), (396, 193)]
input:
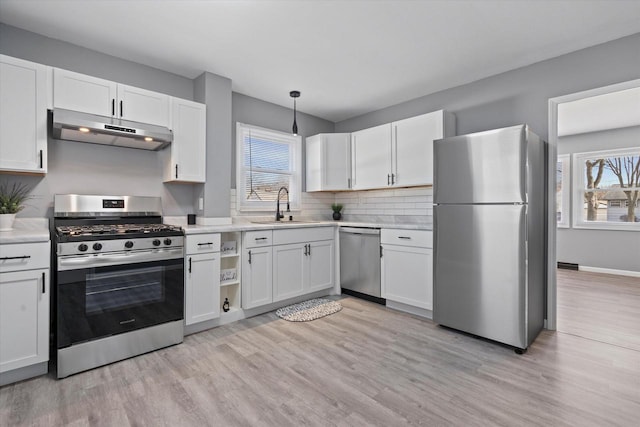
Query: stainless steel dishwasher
[(360, 262)]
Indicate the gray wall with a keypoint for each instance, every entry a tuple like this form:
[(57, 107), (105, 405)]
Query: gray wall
[(92, 169), (44, 50), (600, 248), (256, 112), (215, 91), (521, 96)]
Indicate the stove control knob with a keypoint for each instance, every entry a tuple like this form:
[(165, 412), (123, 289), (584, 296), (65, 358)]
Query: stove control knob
[(82, 247), (167, 242), (128, 244), (97, 246), (156, 242)]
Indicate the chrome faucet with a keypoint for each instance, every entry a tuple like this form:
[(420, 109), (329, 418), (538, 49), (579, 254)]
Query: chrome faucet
[(279, 215)]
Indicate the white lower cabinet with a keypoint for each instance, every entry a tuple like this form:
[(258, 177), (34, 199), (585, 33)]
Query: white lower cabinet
[(407, 267), (286, 263), (24, 305), (202, 278), (300, 268), (257, 277), (321, 269), (289, 271)]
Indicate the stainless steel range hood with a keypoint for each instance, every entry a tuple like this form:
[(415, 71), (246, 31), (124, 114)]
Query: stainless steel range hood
[(82, 127)]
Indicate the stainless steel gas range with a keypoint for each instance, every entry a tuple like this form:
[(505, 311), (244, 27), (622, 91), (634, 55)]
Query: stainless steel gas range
[(119, 280)]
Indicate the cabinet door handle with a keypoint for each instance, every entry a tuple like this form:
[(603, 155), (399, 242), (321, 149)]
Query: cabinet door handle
[(404, 237), (121, 109), (44, 277), (249, 257), (305, 250), (4, 258), (189, 264), (205, 244), (309, 251), (40, 159), (388, 179), (393, 178), (380, 251), (176, 171), (348, 182), (113, 106)]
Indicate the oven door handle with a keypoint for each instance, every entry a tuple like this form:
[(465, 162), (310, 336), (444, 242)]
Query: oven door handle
[(88, 261)]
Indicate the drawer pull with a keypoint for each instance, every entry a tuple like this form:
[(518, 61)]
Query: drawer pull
[(15, 257), (404, 237), (260, 238), (44, 290), (205, 244)]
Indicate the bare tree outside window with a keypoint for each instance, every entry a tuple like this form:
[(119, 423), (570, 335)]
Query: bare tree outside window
[(612, 188), (627, 169), (591, 197)]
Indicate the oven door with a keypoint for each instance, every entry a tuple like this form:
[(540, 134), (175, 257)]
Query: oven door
[(108, 294)]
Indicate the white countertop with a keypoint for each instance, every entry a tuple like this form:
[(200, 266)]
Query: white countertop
[(27, 230), (248, 226)]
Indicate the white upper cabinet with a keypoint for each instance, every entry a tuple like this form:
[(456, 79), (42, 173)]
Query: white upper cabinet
[(23, 115), (328, 159), (144, 106), (371, 157), (399, 154), (87, 94), (185, 157), (78, 92), (413, 148)]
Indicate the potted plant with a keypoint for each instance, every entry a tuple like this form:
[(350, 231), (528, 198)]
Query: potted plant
[(12, 198), (337, 208)]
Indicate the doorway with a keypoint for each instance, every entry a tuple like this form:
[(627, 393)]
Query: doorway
[(601, 300)]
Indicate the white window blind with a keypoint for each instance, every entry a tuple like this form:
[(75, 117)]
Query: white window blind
[(267, 160)]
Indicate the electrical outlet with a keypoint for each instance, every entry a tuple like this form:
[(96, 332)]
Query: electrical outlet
[(201, 203)]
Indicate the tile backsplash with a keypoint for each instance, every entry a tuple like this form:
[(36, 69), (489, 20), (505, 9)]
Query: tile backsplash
[(399, 205)]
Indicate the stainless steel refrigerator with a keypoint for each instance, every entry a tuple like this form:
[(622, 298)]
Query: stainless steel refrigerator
[(490, 234)]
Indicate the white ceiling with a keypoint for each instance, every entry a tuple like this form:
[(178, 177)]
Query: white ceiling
[(346, 57)]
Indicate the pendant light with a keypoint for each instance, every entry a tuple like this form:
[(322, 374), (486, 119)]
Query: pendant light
[(294, 94)]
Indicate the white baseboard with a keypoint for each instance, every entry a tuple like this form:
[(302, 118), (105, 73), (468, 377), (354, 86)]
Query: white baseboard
[(609, 271)]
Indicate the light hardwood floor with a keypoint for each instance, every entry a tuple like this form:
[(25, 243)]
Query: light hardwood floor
[(601, 307), (364, 366)]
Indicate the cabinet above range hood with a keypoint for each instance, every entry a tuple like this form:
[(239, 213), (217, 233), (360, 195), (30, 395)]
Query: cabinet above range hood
[(82, 127)]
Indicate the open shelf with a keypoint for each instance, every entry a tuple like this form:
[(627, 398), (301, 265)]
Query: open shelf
[(230, 255), (231, 312), (231, 288), (229, 283)]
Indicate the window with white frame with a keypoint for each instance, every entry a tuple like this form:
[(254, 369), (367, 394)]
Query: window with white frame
[(266, 161), (563, 185), (607, 189)]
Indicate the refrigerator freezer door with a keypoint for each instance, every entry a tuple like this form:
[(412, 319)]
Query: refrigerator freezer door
[(480, 270), (484, 167)]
